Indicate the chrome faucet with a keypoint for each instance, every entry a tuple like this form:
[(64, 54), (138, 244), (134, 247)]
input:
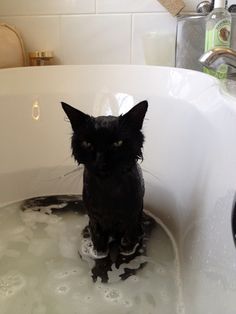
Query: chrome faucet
[(215, 57)]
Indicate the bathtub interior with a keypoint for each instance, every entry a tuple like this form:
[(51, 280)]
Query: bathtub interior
[(189, 157)]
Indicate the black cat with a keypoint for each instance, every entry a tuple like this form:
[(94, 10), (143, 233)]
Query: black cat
[(113, 189)]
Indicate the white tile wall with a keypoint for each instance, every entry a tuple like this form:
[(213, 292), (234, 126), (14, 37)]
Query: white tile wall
[(96, 39), (38, 32), (131, 6), (96, 31), (46, 7), (153, 39)]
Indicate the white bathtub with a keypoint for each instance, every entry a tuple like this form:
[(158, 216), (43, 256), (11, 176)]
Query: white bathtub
[(189, 157)]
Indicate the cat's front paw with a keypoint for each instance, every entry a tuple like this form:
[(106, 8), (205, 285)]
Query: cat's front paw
[(87, 249)]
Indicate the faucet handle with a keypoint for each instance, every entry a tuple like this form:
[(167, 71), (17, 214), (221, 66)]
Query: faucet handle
[(217, 56), (204, 7), (232, 8)]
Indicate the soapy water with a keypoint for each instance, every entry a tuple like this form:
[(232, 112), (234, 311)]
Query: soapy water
[(41, 271)]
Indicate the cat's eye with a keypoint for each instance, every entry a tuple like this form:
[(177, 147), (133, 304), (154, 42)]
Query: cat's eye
[(118, 143), (86, 144)]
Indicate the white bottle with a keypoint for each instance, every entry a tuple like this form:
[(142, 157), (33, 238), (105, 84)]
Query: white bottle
[(218, 31)]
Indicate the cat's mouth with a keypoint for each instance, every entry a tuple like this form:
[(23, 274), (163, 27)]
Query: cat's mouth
[(98, 171), (103, 173)]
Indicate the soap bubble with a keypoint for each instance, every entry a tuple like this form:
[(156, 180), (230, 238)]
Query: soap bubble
[(112, 294), (127, 303), (88, 298), (11, 283), (63, 289), (180, 308)]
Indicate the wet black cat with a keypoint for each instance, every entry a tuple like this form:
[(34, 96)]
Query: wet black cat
[(109, 148)]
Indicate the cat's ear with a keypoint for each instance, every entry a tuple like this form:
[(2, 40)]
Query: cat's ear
[(135, 116), (77, 118)]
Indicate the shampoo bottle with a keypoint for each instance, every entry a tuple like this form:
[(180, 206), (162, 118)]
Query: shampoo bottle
[(218, 31)]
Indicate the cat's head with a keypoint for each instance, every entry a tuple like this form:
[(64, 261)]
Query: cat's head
[(107, 144)]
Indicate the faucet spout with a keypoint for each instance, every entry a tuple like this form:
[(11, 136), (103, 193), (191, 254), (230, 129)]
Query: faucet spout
[(217, 56)]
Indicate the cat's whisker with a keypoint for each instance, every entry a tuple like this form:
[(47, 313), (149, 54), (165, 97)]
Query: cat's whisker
[(65, 175), (74, 182), (149, 172), (77, 169), (70, 176)]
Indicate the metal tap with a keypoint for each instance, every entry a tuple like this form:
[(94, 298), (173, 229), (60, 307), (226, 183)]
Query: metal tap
[(215, 57)]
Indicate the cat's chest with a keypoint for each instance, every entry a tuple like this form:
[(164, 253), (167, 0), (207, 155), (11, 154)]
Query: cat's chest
[(113, 188), (110, 187), (112, 198)]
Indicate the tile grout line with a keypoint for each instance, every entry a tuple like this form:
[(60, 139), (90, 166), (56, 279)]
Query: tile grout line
[(131, 39), (80, 14), (95, 4), (60, 41), (95, 12)]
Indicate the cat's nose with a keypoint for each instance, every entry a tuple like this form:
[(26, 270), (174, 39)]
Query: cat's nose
[(101, 165), (100, 160), (98, 157)]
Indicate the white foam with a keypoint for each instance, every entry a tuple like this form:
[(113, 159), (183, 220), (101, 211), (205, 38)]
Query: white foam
[(39, 309), (180, 308), (127, 303), (10, 284), (63, 289), (38, 247), (112, 295), (87, 250), (12, 253), (88, 299), (53, 279), (67, 273)]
